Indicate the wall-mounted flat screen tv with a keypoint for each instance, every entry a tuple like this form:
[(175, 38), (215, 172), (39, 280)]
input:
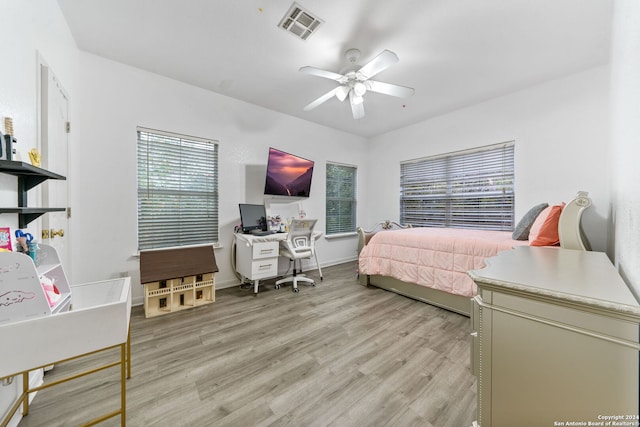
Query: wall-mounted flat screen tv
[(288, 175)]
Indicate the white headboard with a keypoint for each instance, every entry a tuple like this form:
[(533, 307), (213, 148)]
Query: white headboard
[(569, 227), (365, 235)]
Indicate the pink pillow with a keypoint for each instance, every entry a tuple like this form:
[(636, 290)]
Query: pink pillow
[(544, 231)]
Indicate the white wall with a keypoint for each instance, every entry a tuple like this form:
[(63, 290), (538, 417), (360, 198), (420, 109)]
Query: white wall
[(115, 98), (625, 82), (561, 133), (29, 29)]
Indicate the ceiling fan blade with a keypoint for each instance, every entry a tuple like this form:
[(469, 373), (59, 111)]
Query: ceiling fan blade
[(357, 108), (390, 89), (380, 63), (322, 73), (322, 99)]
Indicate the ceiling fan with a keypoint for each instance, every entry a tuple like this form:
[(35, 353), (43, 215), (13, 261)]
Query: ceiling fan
[(356, 83)]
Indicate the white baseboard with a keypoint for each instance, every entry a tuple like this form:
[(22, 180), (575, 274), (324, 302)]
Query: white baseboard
[(236, 282)]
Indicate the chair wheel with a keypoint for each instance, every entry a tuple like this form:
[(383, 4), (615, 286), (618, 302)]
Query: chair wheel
[(296, 290)]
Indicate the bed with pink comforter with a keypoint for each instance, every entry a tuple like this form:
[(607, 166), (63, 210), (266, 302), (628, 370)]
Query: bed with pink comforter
[(431, 264), (435, 258)]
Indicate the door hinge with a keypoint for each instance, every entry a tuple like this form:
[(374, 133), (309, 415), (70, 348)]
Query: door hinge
[(68, 127), (68, 212)]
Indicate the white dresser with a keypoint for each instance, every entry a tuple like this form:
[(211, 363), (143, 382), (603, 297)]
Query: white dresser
[(555, 340)]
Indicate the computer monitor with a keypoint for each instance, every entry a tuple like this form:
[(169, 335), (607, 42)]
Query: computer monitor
[(253, 217)]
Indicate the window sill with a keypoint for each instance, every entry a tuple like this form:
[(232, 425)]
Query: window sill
[(340, 235), (215, 246)]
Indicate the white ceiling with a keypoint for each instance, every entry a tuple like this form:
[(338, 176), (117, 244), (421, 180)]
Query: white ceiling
[(453, 52)]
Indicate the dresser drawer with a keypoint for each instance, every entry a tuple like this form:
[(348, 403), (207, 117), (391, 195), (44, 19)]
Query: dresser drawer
[(265, 250), (264, 268)]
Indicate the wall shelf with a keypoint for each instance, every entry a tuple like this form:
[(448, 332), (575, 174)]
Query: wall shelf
[(26, 215), (29, 176)]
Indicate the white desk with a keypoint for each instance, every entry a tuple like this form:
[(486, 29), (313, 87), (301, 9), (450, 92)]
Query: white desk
[(98, 321), (257, 256)]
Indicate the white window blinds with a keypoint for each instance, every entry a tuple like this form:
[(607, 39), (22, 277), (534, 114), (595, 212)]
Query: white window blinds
[(177, 190), (467, 189), (341, 199)]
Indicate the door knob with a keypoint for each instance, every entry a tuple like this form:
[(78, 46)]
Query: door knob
[(55, 233)]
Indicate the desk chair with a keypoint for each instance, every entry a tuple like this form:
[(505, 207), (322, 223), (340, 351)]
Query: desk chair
[(298, 245)]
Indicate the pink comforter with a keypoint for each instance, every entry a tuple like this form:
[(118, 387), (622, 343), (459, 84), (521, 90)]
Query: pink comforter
[(434, 257)]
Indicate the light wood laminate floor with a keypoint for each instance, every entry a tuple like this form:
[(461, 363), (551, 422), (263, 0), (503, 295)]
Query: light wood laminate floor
[(337, 354)]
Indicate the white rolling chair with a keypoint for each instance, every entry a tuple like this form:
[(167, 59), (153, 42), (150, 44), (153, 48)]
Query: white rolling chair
[(299, 244)]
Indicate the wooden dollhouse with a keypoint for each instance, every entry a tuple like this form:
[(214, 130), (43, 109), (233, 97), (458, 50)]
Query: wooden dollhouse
[(177, 279)]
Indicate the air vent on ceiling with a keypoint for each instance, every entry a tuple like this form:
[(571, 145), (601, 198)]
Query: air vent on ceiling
[(300, 22)]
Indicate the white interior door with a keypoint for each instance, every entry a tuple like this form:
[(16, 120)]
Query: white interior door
[(54, 134)]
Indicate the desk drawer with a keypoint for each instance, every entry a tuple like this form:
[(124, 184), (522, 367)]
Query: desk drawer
[(265, 250), (264, 268)]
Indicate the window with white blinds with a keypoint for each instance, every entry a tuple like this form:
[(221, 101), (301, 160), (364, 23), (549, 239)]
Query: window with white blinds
[(177, 190), (341, 199), (466, 189)]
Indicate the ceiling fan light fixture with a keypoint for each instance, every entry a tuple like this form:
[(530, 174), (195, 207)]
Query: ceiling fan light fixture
[(342, 92), (355, 83), (359, 88)]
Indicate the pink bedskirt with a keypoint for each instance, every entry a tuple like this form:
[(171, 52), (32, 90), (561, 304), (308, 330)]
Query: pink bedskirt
[(437, 258)]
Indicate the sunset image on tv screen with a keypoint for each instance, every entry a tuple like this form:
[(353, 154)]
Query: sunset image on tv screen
[(288, 175)]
